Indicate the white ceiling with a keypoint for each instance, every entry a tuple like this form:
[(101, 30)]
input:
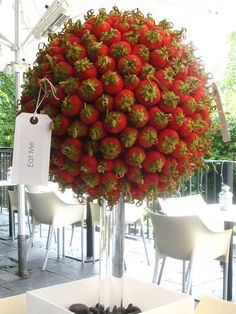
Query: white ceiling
[(208, 21)]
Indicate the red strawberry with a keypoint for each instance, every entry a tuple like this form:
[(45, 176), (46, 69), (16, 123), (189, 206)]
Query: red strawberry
[(70, 86), (123, 26), (148, 93), (91, 147), (139, 116), (129, 64), (146, 71), (154, 161), (147, 136), (159, 58), (88, 164), (186, 128), (57, 158), (90, 89), (105, 63), (60, 124), (137, 192), (115, 122), (135, 156), (72, 167), (85, 69), (169, 101), (151, 183), (55, 97), (109, 181), (77, 129), (181, 150), (113, 197), (135, 175), (176, 118), (65, 178), (131, 81), (100, 27), (62, 71), (189, 105), (97, 49), (75, 52), (90, 179), (142, 52), (120, 168), (49, 110), (151, 38), (56, 142), (119, 49), (89, 114), (72, 148), (104, 103), (165, 77), (111, 36), (88, 39), (94, 192), (112, 82), (105, 165), (167, 140), (71, 105), (97, 130), (110, 147), (158, 118), (128, 136), (124, 100), (193, 142), (131, 37)]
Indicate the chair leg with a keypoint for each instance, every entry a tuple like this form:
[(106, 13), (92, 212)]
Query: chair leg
[(161, 270), (94, 243), (49, 230), (82, 243), (58, 243), (63, 242), (188, 286), (225, 281), (29, 224), (183, 276), (72, 234), (47, 252), (144, 243), (157, 261), (31, 241)]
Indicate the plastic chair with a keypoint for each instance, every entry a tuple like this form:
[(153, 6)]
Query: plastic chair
[(49, 209), (187, 238), (13, 198), (210, 305)]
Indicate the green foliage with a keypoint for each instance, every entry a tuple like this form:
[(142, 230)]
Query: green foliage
[(7, 110)]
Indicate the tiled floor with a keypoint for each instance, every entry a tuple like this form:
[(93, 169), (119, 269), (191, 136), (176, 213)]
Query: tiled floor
[(207, 281)]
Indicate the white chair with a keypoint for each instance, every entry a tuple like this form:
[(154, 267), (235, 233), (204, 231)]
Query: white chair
[(95, 215), (211, 305), (49, 209), (13, 198), (187, 238)]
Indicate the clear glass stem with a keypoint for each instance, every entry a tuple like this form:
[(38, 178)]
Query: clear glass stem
[(112, 224)]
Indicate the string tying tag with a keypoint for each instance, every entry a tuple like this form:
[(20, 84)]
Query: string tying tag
[(43, 86)]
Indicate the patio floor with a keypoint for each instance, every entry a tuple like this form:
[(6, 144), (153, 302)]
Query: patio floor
[(208, 280)]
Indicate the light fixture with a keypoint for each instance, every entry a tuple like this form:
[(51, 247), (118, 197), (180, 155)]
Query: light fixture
[(52, 19), (7, 69)]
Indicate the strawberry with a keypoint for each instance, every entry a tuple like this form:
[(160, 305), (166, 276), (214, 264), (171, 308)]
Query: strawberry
[(55, 97), (120, 168), (150, 183), (100, 27), (90, 89), (167, 140), (110, 147), (131, 81), (146, 71), (159, 58), (57, 158), (169, 101), (105, 63), (60, 124), (97, 49), (62, 71), (135, 175), (124, 100), (105, 165), (49, 110), (129, 64), (119, 49), (109, 181), (115, 122), (137, 192), (193, 142), (112, 82), (70, 86), (75, 52), (135, 156), (72, 167), (189, 105), (56, 142), (88, 39), (131, 37), (128, 137), (85, 69), (112, 197), (158, 118), (176, 118), (139, 116), (72, 148), (91, 147), (94, 192), (148, 93), (181, 150), (77, 129), (71, 105), (165, 77), (90, 179), (147, 136), (97, 130), (123, 26), (186, 128), (142, 52), (151, 38), (88, 164), (89, 114), (154, 161), (111, 36), (104, 103), (65, 178)]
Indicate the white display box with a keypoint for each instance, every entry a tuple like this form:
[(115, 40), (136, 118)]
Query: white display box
[(152, 299)]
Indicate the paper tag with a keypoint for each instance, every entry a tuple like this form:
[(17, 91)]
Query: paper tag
[(31, 150)]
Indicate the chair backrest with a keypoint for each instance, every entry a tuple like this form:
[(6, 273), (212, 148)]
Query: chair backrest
[(13, 200), (133, 213), (187, 237), (211, 305), (47, 208)]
